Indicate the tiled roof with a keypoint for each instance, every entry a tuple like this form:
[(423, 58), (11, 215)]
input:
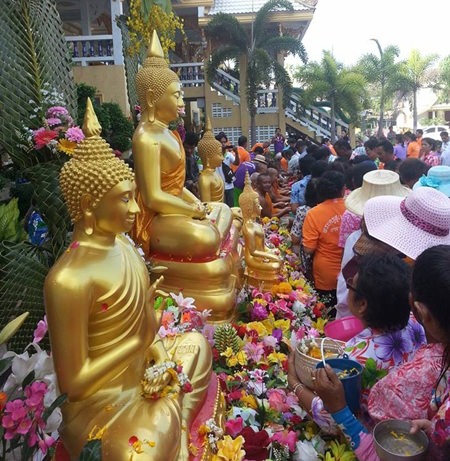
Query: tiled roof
[(247, 6)]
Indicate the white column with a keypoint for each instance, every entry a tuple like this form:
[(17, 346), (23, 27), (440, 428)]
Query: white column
[(116, 10)]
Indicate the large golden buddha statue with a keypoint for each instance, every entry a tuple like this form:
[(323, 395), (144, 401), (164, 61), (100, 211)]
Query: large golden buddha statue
[(194, 240), (210, 184), (108, 357), (262, 265)]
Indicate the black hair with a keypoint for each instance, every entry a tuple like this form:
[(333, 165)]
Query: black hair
[(221, 135), (430, 285), (357, 172), (292, 140), (412, 169), (312, 148), (299, 144), (330, 185), (191, 139), (410, 135), (305, 164), (393, 165), (242, 140), (386, 146), (431, 142), (371, 143), (342, 144), (383, 281), (318, 168), (400, 139), (258, 150), (311, 198), (322, 153)]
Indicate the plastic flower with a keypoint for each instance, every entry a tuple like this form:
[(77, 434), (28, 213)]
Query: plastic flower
[(234, 426), (66, 146), (229, 449), (40, 330), (74, 134), (182, 301), (42, 137)]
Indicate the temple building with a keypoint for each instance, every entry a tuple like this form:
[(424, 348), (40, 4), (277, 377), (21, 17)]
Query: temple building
[(95, 42)]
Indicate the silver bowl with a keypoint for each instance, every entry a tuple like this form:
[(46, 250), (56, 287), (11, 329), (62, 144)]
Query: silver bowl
[(393, 442)]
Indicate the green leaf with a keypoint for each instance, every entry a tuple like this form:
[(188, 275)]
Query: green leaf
[(56, 403), (29, 378), (92, 451), (5, 365)]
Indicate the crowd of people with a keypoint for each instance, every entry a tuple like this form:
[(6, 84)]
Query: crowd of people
[(372, 227)]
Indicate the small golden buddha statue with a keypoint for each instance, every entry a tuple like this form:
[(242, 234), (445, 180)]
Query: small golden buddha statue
[(210, 184), (102, 324), (194, 240), (263, 266)]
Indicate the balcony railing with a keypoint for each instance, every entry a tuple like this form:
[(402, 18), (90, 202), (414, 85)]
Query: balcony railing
[(267, 102), (87, 49), (191, 73)]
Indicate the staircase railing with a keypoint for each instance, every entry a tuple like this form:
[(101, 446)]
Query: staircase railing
[(190, 73), (88, 49)]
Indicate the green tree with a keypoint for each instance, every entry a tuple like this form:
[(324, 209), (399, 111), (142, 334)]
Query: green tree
[(383, 71), (257, 49), (442, 86), (329, 81)]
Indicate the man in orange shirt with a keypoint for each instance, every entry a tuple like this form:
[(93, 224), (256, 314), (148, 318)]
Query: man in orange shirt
[(244, 156), (413, 149), (321, 233)]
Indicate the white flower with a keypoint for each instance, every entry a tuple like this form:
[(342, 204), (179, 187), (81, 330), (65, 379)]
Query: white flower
[(248, 415), (299, 308), (305, 451), (187, 303)]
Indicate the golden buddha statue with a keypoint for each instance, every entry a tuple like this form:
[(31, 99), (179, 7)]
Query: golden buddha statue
[(210, 184), (103, 330), (263, 266), (194, 240)]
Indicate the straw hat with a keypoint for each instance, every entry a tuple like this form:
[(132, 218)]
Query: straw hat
[(260, 158), (438, 178), (411, 224), (375, 183)]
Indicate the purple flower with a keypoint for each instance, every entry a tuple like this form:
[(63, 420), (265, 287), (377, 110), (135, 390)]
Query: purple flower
[(57, 111), (278, 334), (254, 351), (75, 134), (417, 333), (259, 312), (52, 121), (392, 346)]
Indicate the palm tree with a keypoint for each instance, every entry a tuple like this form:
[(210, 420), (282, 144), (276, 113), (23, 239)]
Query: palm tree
[(256, 49), (384, 72), (329, 81), (415, 76)]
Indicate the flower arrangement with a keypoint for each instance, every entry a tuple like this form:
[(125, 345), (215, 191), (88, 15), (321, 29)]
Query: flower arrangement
[(56, 133), (29, 402)]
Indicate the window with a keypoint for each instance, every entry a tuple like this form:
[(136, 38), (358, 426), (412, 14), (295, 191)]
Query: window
[(218, 111)]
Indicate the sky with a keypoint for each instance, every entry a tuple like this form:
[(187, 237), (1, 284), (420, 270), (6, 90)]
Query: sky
[(345, 27)]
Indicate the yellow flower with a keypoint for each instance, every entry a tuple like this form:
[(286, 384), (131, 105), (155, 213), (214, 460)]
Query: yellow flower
[(339, 453), (242, 358), (249, 401), (229, 449), (319, 324), (228, 353), (276, 357), (283, 324), (66, 146), (259, 328)]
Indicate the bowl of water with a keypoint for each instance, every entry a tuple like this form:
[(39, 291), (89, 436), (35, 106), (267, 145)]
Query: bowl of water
[(393, 441)]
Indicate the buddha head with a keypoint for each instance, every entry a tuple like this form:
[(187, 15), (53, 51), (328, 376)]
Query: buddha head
[(98, 187), (158, 87), (209, 149), (249, 200)]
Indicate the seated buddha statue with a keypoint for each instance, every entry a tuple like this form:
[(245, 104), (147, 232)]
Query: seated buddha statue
[(102, 324), (210, 184), (196, 241), (262, 265)]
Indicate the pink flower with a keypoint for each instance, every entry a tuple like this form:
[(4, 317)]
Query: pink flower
[(277, 400), (288, 438), (75, 134), (57, 111), (42, 137), (234, 426), (52, 121), (259, 312), (254, 351), (16, 409), (46, 443), (40, 330), (24, 426)]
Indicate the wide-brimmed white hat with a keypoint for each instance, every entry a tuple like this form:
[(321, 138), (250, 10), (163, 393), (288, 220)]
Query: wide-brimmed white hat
[(411, 224), (375, 183), (438, 177)]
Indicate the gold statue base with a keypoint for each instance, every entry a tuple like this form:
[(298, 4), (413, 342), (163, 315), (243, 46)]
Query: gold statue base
[(261, 279), (212, 284)]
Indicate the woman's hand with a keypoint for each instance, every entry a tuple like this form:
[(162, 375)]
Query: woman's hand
[(330, 389), (292, 374), (418, 424)]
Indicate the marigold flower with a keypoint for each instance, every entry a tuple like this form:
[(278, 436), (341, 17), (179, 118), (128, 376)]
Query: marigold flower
[(66, 146)]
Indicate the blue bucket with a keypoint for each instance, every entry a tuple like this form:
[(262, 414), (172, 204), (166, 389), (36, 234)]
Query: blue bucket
[(352, 384)]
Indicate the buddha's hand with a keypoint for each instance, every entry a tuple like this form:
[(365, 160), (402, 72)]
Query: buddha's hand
[(157, 385), (200, 210)]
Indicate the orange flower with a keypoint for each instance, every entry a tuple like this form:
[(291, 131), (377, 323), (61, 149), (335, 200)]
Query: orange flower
[(3, 400)]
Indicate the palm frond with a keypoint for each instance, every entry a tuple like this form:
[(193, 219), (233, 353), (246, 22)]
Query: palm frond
[(33, 51), (261, 63), (218, 57), (284, 82), (226, 29), (288, 44), (262, 17)]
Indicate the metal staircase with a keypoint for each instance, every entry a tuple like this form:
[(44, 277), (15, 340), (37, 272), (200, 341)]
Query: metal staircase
[(311, 121)]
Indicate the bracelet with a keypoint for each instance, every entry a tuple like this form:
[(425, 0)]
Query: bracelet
[(299, 384)]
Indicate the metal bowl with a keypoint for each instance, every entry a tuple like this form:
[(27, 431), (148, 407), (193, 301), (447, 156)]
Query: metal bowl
[(393, 442)]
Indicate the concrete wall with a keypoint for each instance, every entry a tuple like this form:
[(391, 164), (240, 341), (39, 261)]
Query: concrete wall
[(109, 81)]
